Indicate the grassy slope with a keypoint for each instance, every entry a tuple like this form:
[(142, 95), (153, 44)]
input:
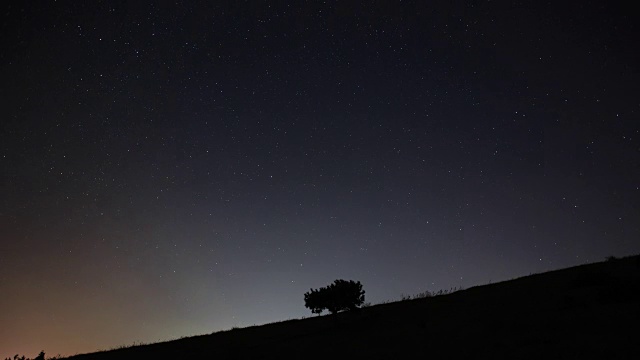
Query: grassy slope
[(589, 311)]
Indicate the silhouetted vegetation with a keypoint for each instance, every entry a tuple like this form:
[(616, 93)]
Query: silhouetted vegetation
[(341, 295), (428, 294), (39, 357)]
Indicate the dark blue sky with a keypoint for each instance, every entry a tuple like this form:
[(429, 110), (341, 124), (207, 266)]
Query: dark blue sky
[(173, 169)]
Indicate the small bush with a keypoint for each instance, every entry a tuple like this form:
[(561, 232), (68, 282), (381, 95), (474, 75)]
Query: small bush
[(39, 357)]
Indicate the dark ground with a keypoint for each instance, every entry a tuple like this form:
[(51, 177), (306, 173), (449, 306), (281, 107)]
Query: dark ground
[(584, 312)]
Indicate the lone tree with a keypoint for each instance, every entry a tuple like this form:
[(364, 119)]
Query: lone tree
[(341, 295)]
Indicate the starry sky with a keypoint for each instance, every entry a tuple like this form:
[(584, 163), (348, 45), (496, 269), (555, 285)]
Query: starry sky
[(172, 169)]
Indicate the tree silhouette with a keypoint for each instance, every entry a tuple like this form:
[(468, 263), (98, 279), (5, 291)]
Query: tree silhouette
[(338, 296)]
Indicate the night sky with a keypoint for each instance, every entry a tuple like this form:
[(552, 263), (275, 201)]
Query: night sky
[(173, 169)]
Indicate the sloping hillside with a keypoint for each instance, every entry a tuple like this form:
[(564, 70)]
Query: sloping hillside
[(584, 312)]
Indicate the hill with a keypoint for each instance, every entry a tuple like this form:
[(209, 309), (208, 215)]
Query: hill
[(585, 312)]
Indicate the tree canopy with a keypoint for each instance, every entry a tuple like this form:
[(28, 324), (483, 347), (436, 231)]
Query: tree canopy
[(338, 296)]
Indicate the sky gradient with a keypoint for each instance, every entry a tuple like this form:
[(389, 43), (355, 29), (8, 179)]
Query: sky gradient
[(173, 169)]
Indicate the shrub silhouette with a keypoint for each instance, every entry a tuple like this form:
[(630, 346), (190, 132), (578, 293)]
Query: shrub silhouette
[(39, 357), (338, 296)]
